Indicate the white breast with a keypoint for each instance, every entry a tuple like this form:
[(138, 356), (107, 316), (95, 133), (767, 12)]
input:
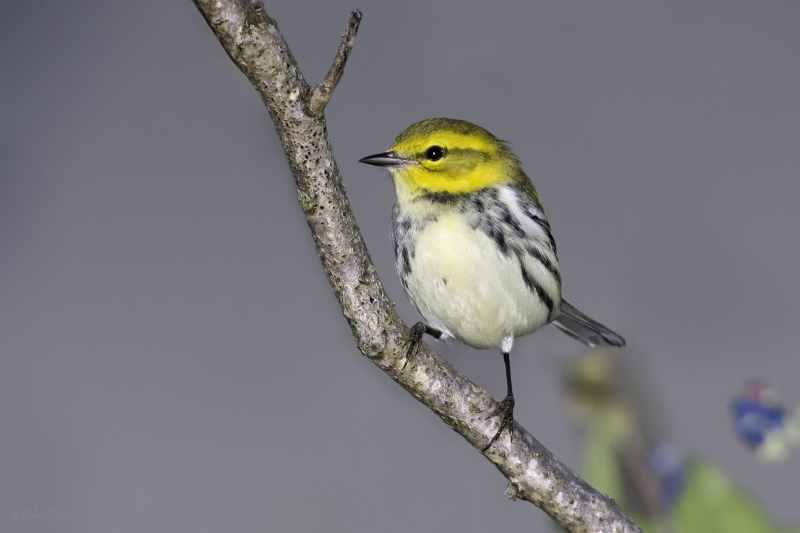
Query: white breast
[(463, 285)]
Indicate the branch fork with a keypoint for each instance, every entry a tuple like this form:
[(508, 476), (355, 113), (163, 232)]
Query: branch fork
[(322, 93)]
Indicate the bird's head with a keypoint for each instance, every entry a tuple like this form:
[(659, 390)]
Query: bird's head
[(442, 155)]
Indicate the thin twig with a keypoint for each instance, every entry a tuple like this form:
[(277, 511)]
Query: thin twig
[(322, 93), (254, 43)]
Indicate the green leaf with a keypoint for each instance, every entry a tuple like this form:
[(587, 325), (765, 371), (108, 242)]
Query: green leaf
[(601, 466), (711, 503)]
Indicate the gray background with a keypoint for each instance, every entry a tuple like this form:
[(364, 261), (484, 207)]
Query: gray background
[(172, 356)]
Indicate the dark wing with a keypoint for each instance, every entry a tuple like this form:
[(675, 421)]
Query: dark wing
[(582, 328)]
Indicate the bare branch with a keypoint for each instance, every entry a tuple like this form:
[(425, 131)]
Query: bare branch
[(256, 46), (322, 93)]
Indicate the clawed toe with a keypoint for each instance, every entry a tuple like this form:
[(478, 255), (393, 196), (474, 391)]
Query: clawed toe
[(506, 411), (415, 339)]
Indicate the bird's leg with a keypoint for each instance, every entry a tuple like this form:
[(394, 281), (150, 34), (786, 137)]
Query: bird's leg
[(505, 409), (415, 339)]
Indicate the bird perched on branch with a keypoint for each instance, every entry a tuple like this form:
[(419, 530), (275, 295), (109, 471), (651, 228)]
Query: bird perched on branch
[(473, 245)]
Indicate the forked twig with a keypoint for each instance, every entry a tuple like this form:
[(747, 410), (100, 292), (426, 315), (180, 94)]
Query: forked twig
[(322, 93)]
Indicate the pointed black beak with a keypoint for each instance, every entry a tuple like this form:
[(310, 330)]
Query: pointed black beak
[(386, 159)]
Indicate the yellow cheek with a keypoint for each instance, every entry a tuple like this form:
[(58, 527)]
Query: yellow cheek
[(484, 175)]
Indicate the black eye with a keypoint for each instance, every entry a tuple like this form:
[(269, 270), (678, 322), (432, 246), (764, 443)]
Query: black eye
[(434, 153)]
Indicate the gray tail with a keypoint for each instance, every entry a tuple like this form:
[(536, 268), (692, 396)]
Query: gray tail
[(582, 328)]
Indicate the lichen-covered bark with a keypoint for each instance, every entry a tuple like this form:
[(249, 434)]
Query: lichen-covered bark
[(254, 43)]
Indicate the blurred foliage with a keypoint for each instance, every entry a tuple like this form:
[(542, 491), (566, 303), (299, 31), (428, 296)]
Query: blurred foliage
[(762, 424), (711, 503), (663, 493)]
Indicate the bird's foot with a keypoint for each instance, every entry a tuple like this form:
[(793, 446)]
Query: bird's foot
[(415, 339), (506, 411)]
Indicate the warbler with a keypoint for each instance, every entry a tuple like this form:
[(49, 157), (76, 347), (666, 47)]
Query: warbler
[(473, 245)]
